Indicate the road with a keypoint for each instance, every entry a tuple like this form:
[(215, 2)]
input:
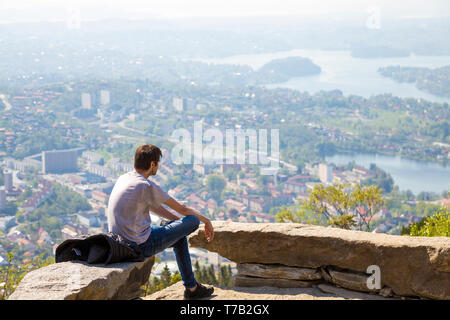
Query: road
[(193, 144)]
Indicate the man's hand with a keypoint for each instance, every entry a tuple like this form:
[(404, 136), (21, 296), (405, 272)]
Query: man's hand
[(209, 231)]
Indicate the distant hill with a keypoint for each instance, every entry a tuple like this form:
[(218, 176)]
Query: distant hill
[(378, 52)]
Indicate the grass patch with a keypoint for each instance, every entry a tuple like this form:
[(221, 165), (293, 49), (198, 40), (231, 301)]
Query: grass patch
[(106, 156)]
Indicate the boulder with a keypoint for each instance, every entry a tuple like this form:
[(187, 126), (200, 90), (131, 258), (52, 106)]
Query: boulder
[(82, 281), (410, 266), (350, 280), (386, 292)]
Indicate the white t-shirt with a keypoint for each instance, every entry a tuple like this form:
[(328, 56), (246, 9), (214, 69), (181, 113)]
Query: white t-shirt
[(129, 203)]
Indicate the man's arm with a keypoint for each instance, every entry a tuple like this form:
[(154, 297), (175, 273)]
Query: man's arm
[(164, 213), (188, 211)]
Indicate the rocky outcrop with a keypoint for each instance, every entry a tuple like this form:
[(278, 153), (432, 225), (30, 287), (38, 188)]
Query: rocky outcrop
[(83, 281), (274, 261), (320, 292), (409, 266)]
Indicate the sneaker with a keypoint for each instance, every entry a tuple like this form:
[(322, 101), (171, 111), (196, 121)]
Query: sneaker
[(200, 292)]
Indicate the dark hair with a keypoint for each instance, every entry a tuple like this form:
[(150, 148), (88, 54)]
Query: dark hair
[(145, 155)]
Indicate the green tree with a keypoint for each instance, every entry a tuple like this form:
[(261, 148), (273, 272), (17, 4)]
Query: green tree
[(165, 280), (299, 215), (175, 278), (410, 195), (427, 196), (12, 273), (339, 205), (224, 277), (199, 272), (215, 184), (211, 275), (173, 181), (166, 276), (437, 225), (334, 203), (381, 178), (326, 148), (367, 201), (208, 275)]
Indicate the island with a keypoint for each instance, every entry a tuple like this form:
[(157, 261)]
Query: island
[(280, 70), (289, 67), (435, 81)]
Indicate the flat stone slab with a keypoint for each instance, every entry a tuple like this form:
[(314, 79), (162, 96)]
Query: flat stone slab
[(348, 294), (83, 281), (277, 271), (244, 281), (410, 266), (352, 281)]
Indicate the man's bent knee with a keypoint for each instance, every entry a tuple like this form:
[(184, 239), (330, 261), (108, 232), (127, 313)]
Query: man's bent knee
[(193, 221)]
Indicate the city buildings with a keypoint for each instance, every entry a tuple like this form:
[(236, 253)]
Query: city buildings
[(99, 170), (297, 183), (22, 165), (44, 192), (179, 104), (104, 97), (70, 231), (2, 197), (89, 219), (7, 222), (201, 168), (59, 161), (93, 157), (100, 196), (8, 180), (86, 100), (325, 173), (119, 166)]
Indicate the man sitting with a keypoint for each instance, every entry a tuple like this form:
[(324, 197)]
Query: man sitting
[(131, 199)]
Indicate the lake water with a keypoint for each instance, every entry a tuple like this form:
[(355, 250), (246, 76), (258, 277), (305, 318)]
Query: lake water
[(342, 71), (360, 77), (407, 174)]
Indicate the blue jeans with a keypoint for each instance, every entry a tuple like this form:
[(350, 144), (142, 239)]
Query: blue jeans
[(174, 235)]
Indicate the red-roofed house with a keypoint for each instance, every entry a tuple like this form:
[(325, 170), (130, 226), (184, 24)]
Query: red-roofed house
[(233, 204), (100, 196)]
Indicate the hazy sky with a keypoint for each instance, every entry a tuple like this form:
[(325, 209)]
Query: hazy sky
[(57, 10)]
